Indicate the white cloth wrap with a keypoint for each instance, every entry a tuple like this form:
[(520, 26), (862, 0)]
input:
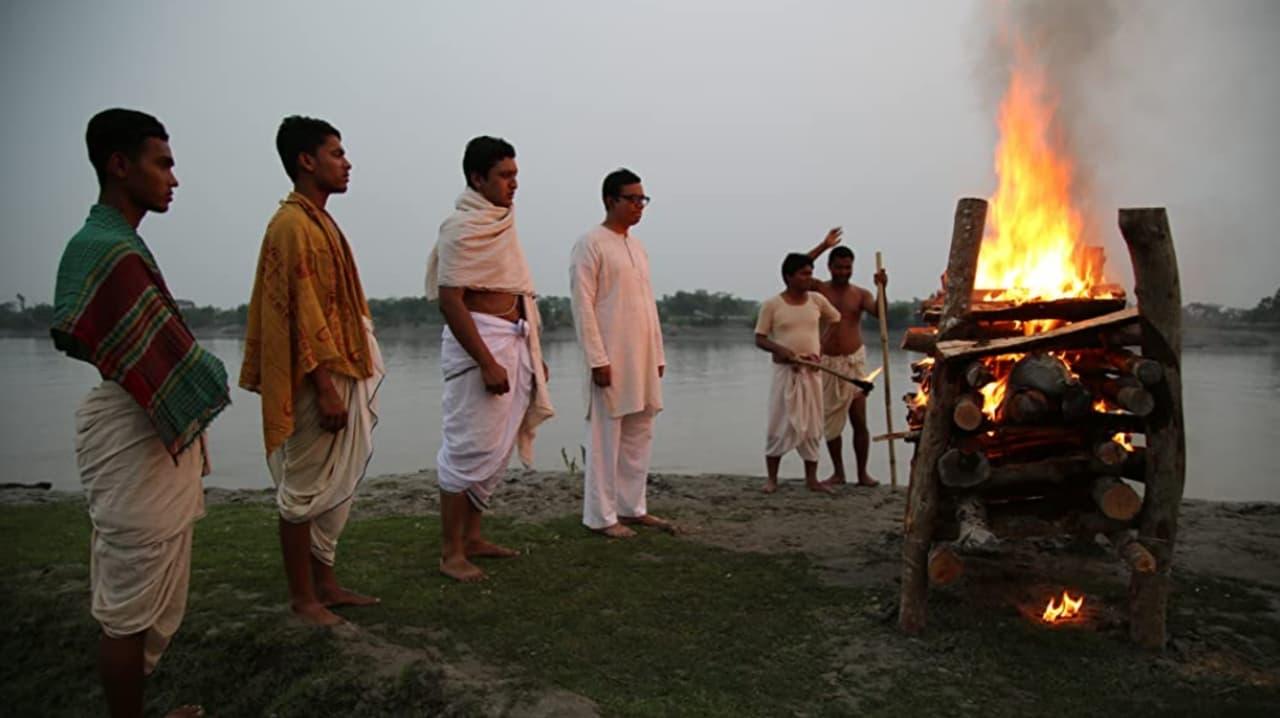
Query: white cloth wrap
[(795, 412), (143, 505), (315, 471), (478, 248), (480, 429), (837, 394)]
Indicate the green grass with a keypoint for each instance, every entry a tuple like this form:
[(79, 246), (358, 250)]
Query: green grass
[(656, 626)]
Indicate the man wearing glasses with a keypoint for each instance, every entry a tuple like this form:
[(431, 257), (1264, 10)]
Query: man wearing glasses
[(616, 319)]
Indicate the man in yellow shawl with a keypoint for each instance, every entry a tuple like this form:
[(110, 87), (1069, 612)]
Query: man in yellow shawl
[(311, 354)]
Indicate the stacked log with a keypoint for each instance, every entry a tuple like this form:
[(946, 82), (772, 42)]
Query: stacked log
[(1032, 434)]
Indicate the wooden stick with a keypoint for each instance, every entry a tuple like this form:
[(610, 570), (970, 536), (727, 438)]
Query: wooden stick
[(1159, 294), (948, 348), (888, 393), (862, 384), (923, 489)]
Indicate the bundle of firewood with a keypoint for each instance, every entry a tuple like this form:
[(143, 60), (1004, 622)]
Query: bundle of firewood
[(1026, 417)]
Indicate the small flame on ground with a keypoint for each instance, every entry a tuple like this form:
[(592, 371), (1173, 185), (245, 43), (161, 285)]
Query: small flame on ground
[(1069, 608)]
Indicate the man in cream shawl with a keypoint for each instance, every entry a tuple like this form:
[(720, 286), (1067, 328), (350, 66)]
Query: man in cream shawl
[(617, 322), (495, 383)]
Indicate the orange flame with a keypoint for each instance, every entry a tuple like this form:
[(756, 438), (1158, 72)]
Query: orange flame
[(1124, 440), (1033, 247), (1068, 609)]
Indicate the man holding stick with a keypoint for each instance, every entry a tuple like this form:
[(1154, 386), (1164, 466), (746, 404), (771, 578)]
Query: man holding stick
[(843, 350)]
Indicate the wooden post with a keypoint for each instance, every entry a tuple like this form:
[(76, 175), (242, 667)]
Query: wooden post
[(882, 310), (947, 384), (1159, 295)]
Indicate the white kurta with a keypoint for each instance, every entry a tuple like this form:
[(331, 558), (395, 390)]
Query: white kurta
[(617, 323), (616, 318)]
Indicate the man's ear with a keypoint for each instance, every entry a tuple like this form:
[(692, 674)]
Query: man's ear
[(118, 165), (307, 162)]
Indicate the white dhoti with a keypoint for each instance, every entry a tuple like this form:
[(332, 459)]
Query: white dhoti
[(315, 471), (616, 477), (479, 428), (795, 412), (143, 505), (838, 394)]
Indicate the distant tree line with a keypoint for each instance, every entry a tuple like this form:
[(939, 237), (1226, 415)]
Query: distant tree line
[(1267, 311), (698, 308)]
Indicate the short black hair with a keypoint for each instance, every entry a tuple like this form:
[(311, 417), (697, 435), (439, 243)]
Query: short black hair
[(482, 154), (615, 181), (298, 134), (794, 263), (119, 130), (841, 252)]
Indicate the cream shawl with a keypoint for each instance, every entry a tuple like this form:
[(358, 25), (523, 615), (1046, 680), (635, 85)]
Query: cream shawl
[(478, 248)]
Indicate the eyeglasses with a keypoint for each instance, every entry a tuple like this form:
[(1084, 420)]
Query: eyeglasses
[(636, 199)]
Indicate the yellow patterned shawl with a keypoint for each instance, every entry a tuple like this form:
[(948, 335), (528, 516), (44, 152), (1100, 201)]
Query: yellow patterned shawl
[(307, 311)]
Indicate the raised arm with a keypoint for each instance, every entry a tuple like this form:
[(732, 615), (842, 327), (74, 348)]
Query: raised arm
[(832, 239), (458, 317)]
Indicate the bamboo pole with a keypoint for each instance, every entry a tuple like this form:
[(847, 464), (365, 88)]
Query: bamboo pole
[(888, 392)]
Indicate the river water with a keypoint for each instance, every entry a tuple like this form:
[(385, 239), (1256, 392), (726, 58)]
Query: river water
[(715, 394)]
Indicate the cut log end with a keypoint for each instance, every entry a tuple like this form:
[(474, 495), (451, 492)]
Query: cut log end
[(945, 564), (1127, 545), (1116, 499), (967, 414), (960, 468)]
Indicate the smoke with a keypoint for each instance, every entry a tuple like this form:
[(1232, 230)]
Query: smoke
[(1069, 43)]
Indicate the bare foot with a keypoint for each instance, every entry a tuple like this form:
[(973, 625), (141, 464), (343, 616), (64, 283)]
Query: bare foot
[(770, 486), (820, 487), (315, 614), (650, 520), (185, 712), (339, 596), (460, 569), (866, 480), (835, 480), (617, 531), (488, 549)]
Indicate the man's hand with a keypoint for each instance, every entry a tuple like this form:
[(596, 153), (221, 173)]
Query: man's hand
[(333, 412), (662, 369), (833, 238), (602, 376), (785, 356), (882, 278), (494, 377)]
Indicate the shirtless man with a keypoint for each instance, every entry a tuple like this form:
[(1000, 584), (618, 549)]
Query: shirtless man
[(844, 351)]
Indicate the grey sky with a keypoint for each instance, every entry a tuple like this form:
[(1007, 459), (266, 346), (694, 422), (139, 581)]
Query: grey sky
[(754, 125)]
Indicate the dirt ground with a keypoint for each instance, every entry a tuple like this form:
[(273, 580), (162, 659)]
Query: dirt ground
[(853, 539)]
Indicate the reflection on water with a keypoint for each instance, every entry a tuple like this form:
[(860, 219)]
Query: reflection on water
[(714, 420)]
